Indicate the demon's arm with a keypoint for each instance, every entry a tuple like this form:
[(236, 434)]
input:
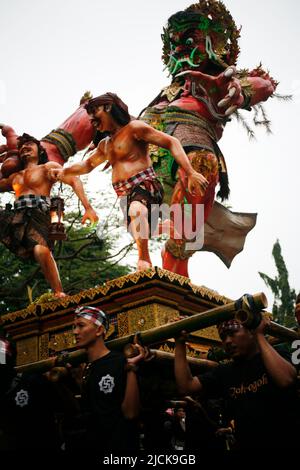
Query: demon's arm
[(10, 135), (257, 85), (229, 90)]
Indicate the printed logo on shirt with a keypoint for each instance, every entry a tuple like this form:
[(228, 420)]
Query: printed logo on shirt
[(236, 392), (107, 384), (22, 398)]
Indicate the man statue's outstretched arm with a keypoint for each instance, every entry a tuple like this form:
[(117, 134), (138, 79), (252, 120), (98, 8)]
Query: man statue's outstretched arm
[(77, 186), (95, 158), (196, 182)]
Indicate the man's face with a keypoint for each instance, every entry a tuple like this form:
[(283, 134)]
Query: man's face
[(238, 343), (86, 332), (29, 152), (101, 119), (180, 413)]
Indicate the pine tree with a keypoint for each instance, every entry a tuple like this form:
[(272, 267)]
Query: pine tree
[(83, 261), (284, 297)]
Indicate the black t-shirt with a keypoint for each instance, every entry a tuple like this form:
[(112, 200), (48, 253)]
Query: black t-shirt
[(27, 414), (264, 414), (103, 392)]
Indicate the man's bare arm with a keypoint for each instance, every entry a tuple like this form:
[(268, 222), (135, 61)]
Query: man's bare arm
[(131, 402), (282, 372), (77, 186), (95, 158), (143, 131), (186, 383)]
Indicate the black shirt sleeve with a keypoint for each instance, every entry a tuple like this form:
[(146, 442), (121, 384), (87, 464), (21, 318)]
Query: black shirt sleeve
[(212, 382)]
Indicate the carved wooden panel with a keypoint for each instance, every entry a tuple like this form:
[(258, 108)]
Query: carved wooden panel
[(27, 350), (44, 346), (61, 341)]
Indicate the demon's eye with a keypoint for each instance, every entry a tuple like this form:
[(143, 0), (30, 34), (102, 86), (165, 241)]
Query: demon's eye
[(189, 41)]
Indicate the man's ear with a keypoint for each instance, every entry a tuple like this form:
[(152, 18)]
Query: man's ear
[(100, 331)]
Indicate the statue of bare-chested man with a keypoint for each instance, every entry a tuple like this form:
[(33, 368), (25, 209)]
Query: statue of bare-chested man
[(126, 149), (25, 229)]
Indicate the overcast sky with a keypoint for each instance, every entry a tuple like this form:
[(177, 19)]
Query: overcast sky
[(53, 51)]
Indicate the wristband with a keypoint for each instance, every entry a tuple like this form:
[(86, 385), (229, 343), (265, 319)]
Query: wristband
[(131, 367)]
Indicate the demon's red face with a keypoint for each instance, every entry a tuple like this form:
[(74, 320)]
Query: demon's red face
[(192, 39)]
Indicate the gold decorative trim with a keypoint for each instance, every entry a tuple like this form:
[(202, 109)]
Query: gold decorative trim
[(185, 281), (24, 313), (166, 348), (172, 91), (62, 340), (44, 346), (165, 314), (142, 318), (192, 350), (118, 283), (123, 327), (210, 332), (178, 249), (152, 299)]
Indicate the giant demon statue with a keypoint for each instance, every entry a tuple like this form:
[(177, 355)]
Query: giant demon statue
[(200, 50)]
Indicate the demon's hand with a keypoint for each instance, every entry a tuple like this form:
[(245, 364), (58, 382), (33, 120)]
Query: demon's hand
[(224, 91)]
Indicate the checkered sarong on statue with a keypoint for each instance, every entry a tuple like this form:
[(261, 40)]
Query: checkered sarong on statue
[(32, 201), (124, 187), (26, 226)]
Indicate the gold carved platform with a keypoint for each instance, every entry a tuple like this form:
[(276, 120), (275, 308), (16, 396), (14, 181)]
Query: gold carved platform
[(134, 302)]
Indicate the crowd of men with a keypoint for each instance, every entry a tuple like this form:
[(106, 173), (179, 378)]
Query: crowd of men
[(249, 402)]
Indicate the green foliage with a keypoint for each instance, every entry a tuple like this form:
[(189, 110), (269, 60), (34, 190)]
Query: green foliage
[(83, 261), (284, 297)]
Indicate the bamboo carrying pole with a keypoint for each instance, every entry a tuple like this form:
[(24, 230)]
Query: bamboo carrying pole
[(77, 357), (280, 331), (163, 356), (193, 323), (249, 304), (152, 336)]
